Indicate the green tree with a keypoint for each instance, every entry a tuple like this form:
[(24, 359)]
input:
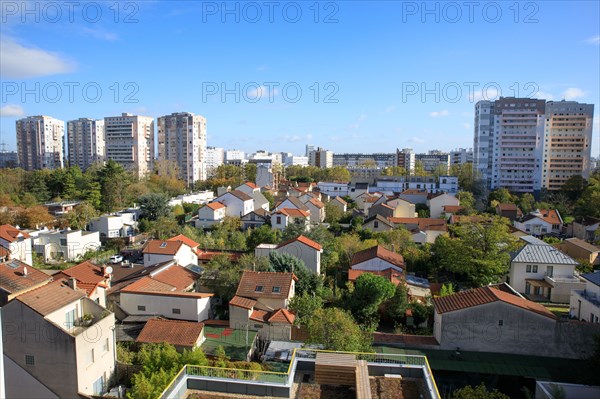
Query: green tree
[(154, 206), (370, 291), (478, 392), (333, 213), (527, 202), (467, 200), (447, 289), (420, 312), (397, 305), (163, 228), (304, 306), (269, 198), (336, 330), (501, 196), (81, 215), (262, 235)]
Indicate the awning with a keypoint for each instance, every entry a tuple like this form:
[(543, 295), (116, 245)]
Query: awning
[(538, 283)]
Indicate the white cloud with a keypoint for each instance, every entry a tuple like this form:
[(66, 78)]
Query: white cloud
[(542, 95), (417, 140), (572, 93), (467, 126), (12, 110), (436, 114), (353, 126), (20, 62), (100, 33), (391, 108), (362, 117), (491, 93), (261, 92), (594, 40), (296, 138)]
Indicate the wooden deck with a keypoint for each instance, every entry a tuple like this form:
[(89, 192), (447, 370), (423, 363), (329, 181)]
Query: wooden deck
[(335, 369), (363, 386)]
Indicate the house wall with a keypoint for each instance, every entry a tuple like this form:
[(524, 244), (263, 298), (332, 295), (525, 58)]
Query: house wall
[(518, 273), (317, 215), (20, 249), (185, 256), (432, 235), (436, 205), (208, 217), (582, 308), (584, 232), (561, 291), (26, 332), (522, 332), (273, 303), (153, 259), (576, 252), (238, 317), (535, 227), (192, 309), (403, 209), (279, 222), (376, 225), (22, 385), (235, 206), (310, 256)]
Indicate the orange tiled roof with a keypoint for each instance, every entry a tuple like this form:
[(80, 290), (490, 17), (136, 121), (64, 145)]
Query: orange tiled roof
[(13, 279), (317, 203), (187, 241), (175, 332), (378, 252), (294, 212), (148, 284), (340, 200), (215, 205), (85, 272), (176, 276), (453, 208), (485, 295), (259, 315), (11, 233), (550, 216), (267, 280), (304, 240), (507, 207), (392, 275), (282, 316), (251, 185), (162, 247), (49, 298), (412, 191), (242, 302)]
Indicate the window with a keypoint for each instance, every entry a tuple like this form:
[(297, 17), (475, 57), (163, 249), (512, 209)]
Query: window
[(90, 357), (550, 271), (258, 288), (176, 311), (99, 386), (276, 290), (141, 307), (376, 224), (278, 219), (63, 242), (535, 268), (30, 360), (70, 319), (105, 346), (527, 288), (500, 322), (528, 269)]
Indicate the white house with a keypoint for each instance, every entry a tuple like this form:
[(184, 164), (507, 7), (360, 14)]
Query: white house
[(423, 230), (16, 244), (585, 304), (89, 278), (251, 189), (168, 291), (211, 214), (437, 203), (542, 272), (301, 247), (158, 251), (377, 223), (112, 226), (68, 244), (286, 216), (340, 203), (200, 197), (334, 188), (540, 222), (317, 211), (237, 203), (291, 203), (448, 184), (255, 219), (377, 258)]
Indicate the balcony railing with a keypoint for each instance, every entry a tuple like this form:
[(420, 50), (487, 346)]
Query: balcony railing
[(589, 297)]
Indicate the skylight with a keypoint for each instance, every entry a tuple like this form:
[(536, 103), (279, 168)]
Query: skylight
[(258, 288)]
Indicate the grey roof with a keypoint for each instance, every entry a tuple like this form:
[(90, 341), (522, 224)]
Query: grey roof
[(533, 240), (532, 253), (593, 277), (421, 282)]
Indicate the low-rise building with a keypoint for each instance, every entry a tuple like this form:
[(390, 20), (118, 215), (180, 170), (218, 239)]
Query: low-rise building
[(334, 188), (89, 278), (259, 200), (541, 222), (340, 203), (51, 341), (114, 226), (317, 210), (70, 245), (288, 216), (15, 244), (585, 304), (580, 250), (585, 229), (423, 230), (255, 219), (437, 202), (181, 334), (211, 214), (237, 203), (301, 247), (509, 211), (377, 258), (17, 278), (158, 251)]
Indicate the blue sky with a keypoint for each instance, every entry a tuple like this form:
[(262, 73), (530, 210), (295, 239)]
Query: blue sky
[(373, 76)]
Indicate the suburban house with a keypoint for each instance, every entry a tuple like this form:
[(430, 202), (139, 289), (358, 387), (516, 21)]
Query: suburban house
[(509, 211), (158, 251), (377, 258), (317, 210), (72, 349), (287, 216), (437, 202), (402, 208), (450, 210), (423, 230), (15, 244), (168, 291), (540, 222), (255, 218), (585, 229), (210, 214), (585, 304), (414, 196), (113, 226), (418, 288), (181, 334), (17, 278), (251, 189), (260, 304), (340, 203), (542, 272), (301, 247), (89, 278), (68, 244), (580, 250), (291, 203), (237, 203), (378, 223), (334, 188), (187, 241), (381, 209)]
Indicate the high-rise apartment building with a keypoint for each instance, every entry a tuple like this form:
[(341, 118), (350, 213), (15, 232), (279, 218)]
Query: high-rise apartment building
[(130, 142), (434, 160), (461, 156), (182, 140), (40, 142), (567, 143), (406, 159), (320, 158), (234, 156), (85, 137), (508, 143), (215, 157)]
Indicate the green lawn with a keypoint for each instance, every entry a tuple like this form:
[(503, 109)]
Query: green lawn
[(233, 341)]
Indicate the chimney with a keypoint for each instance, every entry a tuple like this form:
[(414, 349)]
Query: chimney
[(72, 283), (24, 271)]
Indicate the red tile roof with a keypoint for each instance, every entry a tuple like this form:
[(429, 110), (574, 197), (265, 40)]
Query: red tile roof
[(485, 295), (176, 276), (292, 212), (282, 316), (13, 279), (260, 315), (550, 216), (422, 223), (10, 233), (49, 298), (340, 200), (88, 276), (507, 207), (162, 247), (267, 280), (453, 208), (251, 185), (148, 284), (242, 302), (187, 241), (412, 191), (175, 332), (378, 252), (391, 274), (304, 240), (317, 203), (215, 205)]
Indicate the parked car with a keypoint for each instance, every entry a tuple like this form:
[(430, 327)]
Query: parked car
[(116, 259)]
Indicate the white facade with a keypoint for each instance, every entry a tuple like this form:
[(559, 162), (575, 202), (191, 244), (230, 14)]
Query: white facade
[(86, 142), (208, 216), (201, 197), (20, 248), (185, 256), (448, 184), (376, 264), (215, 157), (585, 304), (130, 142), (320, 158), (461, 156), (182, 140), (113, 226), (236, 207), (334, 189), (191, 306), (69, 245), (234, 155), (437, 204), (40, 142)]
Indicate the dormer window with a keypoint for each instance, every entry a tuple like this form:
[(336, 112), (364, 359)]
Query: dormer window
[(258, 288), (276, 290)]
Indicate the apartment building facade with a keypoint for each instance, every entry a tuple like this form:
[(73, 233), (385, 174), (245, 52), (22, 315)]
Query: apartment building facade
[(182, 140), (130, 142), (41, 142), (320, 158), (87, 146)]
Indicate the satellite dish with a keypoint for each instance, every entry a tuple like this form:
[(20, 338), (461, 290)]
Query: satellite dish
[(109, 270)]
